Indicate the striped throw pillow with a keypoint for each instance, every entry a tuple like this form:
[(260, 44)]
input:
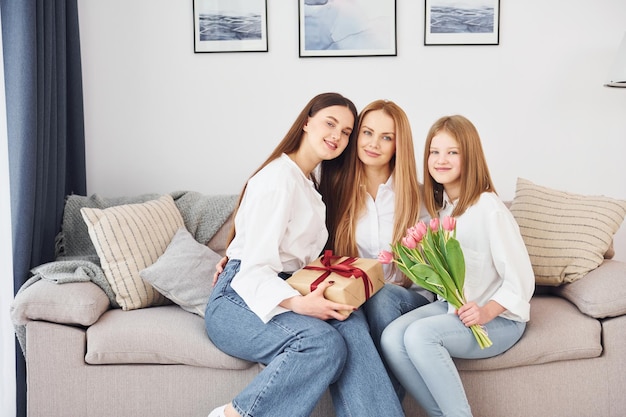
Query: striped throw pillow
[(566, 234), (129, 238)]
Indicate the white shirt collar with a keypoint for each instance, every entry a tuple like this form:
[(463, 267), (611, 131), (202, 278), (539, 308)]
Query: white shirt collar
[(297, 167), (446, 201)]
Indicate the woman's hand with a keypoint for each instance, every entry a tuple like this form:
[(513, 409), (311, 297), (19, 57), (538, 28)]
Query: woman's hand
[(219, 268), (471, 313), (315, 305)]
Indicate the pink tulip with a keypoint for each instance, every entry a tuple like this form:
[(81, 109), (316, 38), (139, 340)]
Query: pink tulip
[(449, 223), (415, 233), (385, 257), (434, 224), (409, 241), (421, 227)]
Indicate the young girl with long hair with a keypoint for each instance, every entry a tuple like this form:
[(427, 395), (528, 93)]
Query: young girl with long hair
[(499, 281)]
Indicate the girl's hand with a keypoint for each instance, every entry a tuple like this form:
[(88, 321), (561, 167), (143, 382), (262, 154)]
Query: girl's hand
[(315, 305), (471, 313), (219, 268)]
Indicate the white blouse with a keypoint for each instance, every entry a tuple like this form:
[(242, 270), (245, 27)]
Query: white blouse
[(280, 227), (374, 230), (497, 265)]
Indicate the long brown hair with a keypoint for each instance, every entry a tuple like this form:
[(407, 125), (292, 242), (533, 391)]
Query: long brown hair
[(475, 177), (293, 139), (405, 183)]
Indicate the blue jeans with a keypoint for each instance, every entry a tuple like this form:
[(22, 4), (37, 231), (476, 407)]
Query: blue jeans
[(303, 356), (420, 345), (389, 303)]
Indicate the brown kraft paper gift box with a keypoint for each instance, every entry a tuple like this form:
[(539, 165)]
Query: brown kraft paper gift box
[(353, 278)]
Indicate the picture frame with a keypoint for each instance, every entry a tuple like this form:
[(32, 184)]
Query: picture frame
[(230, 25), (462, 22), (355, 28)]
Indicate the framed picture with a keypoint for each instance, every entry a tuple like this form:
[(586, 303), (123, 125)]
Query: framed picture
[(230, 25), (347, 28), (462, 22)]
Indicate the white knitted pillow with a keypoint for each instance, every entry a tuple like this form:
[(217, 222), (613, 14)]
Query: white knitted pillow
[(129, 238), (566, 234)]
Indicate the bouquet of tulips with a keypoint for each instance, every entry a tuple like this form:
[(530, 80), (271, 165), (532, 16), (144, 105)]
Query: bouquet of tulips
[(433, 259)]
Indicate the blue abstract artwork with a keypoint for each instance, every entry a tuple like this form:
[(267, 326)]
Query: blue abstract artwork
[(462, 22), (230, 25), (347, 28)]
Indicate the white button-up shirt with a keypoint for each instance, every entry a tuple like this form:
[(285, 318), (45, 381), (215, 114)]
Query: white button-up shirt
[(374, 231), (280, 226), (497, 265)]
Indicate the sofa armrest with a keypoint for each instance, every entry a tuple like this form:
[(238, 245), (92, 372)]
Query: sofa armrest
[(76, 303), (599, 294)]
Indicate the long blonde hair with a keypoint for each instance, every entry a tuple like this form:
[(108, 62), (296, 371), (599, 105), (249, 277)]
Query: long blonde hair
[(475, 177), (405, 183)]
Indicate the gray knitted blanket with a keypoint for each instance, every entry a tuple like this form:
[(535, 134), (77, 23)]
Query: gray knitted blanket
[(77, 259), (203, 216)]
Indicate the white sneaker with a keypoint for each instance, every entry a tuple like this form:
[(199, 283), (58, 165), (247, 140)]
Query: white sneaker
[(218, 412)]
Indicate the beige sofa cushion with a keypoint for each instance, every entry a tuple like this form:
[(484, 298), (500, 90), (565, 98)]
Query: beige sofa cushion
[(548, 338), (566, 235), (162, 335), (79, 303), (128, 238), (601, 294), (220, 239), (170, 335)]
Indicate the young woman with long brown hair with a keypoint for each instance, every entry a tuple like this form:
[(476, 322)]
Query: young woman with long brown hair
[(306, 345)]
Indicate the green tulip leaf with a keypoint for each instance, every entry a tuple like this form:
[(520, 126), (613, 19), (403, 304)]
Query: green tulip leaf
[(426, 277), (456, 262)]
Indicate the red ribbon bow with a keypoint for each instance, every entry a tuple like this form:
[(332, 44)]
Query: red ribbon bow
[(343, 268)]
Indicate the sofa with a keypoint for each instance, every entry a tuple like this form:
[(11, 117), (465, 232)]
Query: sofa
[(86, 356)]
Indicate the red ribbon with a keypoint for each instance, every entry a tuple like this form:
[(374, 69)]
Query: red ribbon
[(343, 268)]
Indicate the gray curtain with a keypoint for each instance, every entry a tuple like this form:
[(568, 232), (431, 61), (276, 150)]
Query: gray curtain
[(45, 130)]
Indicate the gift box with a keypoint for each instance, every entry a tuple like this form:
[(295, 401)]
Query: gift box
[(356, 279)]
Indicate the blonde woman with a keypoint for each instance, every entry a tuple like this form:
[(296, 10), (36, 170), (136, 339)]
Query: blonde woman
[(380, 199)]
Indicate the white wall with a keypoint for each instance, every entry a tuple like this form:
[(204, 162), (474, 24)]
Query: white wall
[(161, 118)]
